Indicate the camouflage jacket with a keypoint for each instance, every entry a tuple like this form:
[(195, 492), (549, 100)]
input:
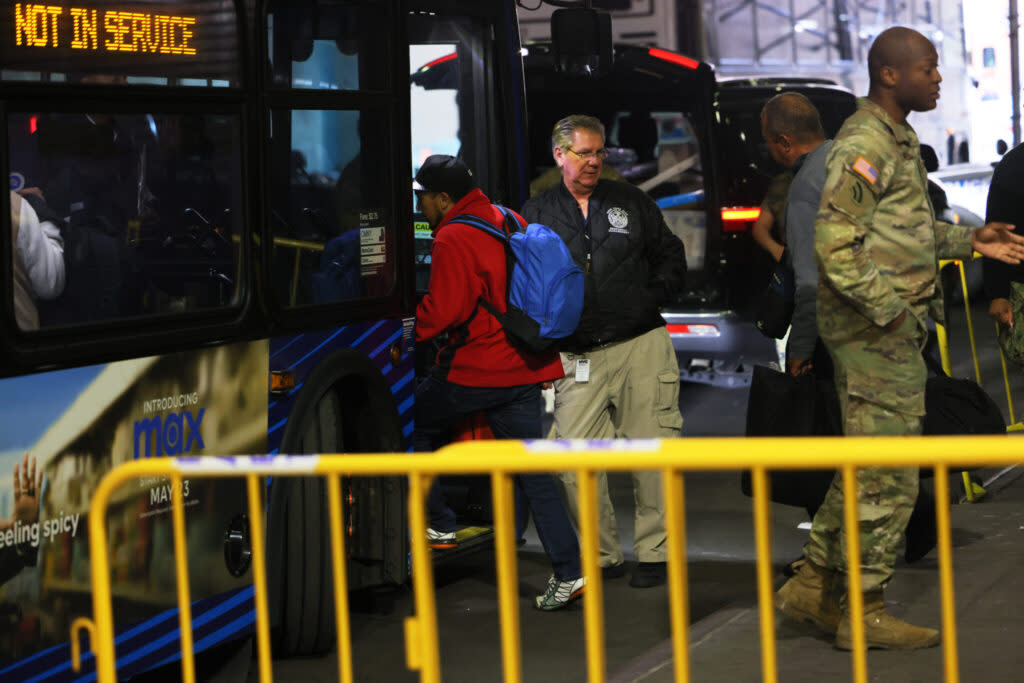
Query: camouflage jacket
[(877, 241)]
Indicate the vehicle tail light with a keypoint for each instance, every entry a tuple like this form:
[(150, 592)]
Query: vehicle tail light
[(439, 60), (700, 330), (738, 219), (672, 57)]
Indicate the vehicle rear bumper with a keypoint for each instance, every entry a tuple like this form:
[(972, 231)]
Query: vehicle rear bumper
[(718, 347)]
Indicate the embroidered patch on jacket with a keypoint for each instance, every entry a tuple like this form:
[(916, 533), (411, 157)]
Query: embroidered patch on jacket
[(618, 219), (866, 170), (852, 195)]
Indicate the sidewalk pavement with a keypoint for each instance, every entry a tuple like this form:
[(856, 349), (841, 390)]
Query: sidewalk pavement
[(988, 565)]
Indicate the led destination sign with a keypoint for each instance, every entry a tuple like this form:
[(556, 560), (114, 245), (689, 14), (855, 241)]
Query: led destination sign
[(79, 28)]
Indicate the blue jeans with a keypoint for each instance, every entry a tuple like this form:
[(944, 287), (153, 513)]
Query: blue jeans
[(512, 413)]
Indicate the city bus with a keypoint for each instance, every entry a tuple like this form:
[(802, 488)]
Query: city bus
[(228, 187)]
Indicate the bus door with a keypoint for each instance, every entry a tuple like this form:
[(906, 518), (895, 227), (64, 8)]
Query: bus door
[(462, 104)]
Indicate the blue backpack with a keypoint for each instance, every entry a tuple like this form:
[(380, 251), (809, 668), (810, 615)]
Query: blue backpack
[(545, 286)]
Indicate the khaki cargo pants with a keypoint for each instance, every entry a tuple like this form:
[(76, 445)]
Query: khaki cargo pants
[(632, 392)]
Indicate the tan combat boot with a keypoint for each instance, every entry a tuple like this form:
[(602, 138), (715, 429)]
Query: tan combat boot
[(884, 630), (810, 596)]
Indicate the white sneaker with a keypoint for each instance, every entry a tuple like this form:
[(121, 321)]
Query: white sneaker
[(442, 540), (560, 593)]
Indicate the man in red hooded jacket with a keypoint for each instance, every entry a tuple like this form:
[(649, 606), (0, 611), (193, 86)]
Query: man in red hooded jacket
[(478, 370)]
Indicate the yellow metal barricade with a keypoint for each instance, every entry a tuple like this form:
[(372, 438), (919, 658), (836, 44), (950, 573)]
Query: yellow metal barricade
[(973, 491), (943, 339), (502, 459)]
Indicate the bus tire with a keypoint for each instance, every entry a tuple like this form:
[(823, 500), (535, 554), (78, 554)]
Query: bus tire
[(305, 589), (344, 406)]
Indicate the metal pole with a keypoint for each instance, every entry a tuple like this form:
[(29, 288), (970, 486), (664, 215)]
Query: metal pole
[(1015, 71)]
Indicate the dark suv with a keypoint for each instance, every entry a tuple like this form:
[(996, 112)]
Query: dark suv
[(694, 143)]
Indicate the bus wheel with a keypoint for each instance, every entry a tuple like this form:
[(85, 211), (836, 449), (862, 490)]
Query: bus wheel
[(302, 546)]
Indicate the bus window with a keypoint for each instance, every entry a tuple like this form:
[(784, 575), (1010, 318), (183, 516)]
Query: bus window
[(333, 233), (327, 47), (145, 204)]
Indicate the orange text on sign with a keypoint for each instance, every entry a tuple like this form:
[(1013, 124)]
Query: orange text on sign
[(110, 30)]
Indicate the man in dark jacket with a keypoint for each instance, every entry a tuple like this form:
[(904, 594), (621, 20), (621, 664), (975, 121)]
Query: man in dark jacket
[(621, 375), (478, 370), (1005, 282)]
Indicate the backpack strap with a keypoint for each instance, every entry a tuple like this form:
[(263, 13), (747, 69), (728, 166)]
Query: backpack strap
[(480, 224), (503, 237)]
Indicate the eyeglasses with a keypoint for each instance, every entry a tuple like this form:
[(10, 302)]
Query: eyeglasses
[(585, 156)]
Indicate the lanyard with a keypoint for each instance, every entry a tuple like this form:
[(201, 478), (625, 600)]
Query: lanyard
[(586, 235)]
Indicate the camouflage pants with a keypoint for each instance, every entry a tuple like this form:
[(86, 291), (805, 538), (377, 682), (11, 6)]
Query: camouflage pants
[(885, 497), (1011, 339)]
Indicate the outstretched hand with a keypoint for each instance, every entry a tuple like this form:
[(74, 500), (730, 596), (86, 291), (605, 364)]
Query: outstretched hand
[(997, 240), (27, 482), (1001, 311)]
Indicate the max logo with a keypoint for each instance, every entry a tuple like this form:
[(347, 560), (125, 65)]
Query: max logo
[(173, 434)]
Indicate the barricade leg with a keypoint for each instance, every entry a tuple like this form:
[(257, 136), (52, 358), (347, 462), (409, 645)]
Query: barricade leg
[(188, 665), (765, 593), (508, 581), (593, 597), (421, 641), (339, 561), (259, 577), (854, 591), (678, 588), (949, 648)]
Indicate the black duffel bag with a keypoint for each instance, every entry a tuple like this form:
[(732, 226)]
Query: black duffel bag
[(958, 406), (783, 405)]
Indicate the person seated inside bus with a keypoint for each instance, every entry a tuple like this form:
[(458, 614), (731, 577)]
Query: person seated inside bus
[(93, 180), (38, 256)]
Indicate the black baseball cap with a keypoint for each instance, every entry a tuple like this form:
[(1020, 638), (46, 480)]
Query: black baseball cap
[(444, 173)]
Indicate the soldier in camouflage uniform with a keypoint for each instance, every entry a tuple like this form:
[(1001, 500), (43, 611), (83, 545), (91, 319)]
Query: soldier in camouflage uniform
[(877, 243)]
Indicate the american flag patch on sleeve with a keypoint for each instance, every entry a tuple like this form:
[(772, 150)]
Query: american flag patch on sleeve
[(865, 169)]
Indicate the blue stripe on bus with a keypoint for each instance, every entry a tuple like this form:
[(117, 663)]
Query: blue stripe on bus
[(167, 639), (325, 342), (273, 354), (243, 594), (388, 342), (401, 382), (222, 634), (280, 424)]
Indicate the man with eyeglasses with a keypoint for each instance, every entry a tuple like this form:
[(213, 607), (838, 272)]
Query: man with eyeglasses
[(621, 374)]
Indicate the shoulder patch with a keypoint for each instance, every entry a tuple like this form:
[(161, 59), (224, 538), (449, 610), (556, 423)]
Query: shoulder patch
[(866, 170), (853, 195)]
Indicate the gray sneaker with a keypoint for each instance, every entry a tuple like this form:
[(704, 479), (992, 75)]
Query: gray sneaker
[(560, 593), (441, 540)]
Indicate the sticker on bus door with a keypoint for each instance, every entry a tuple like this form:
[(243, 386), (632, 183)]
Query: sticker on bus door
[(372, 244)]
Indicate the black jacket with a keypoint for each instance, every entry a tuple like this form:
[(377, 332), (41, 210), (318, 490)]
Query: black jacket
[(636, 263), (1005, 204)]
